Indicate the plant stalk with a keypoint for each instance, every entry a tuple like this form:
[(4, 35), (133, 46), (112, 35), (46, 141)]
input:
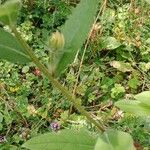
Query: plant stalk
[(55, 82)]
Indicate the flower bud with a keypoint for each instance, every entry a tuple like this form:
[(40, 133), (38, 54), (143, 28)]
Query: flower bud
[(57, 41)]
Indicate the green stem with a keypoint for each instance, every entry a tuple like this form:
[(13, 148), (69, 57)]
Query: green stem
[(63, 89)]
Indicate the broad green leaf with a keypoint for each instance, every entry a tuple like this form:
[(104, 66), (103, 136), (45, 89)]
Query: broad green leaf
[(140, 106), (10, 49), (9, 12), (109, 43), (144, 97), (76, 30), (133, 106), (63, 140), (114, 140)]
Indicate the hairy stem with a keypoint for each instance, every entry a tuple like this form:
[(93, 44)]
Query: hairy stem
[(55, 82)]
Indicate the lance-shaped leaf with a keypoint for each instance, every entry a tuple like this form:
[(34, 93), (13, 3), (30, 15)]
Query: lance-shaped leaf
[(10, 48), (9, 12), (63, 140), (76, 30)]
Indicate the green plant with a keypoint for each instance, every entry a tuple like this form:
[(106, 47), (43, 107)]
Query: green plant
[(73, 41)]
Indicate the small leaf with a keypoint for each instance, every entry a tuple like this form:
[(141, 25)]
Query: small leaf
[(63, 140), (25, 69), (133, 83), (114, 140), (109, 43), (10, 48), (121, 66), (76, 30), (108, 16), (9, 12)]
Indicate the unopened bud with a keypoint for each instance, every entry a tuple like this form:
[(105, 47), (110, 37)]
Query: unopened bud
[(57, 41)]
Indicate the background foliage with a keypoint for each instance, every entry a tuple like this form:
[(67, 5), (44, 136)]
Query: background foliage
[(116, 65)]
